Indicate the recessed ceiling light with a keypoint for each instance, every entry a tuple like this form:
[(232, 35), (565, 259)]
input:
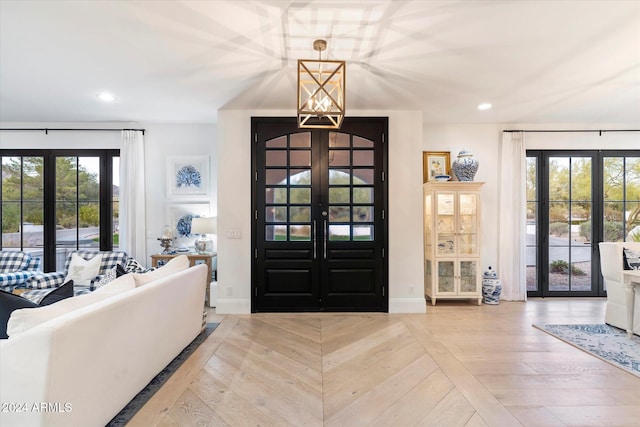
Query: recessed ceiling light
[(106, 97), (484, 106)]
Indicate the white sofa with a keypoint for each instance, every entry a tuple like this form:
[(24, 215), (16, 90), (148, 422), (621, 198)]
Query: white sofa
[(82, 367), (611, 265)]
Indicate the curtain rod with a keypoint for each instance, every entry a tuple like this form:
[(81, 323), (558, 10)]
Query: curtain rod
[(577, 130), (46, 130)]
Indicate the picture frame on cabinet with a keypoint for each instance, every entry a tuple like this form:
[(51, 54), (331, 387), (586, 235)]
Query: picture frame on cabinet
[(435, 163), (187, 177)]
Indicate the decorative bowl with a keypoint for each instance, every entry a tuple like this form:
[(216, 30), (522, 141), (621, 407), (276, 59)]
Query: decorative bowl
[(442, 178)]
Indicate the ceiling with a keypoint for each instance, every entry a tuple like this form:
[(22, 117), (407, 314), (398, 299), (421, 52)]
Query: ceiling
[(182, 61)]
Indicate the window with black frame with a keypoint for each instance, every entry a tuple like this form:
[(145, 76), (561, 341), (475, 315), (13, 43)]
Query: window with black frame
[(576, 199), (55, 201)]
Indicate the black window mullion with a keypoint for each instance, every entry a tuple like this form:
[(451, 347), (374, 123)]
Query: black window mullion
[(77, 202), (543, 225), (49, 219), (597, 218), (624, 197), (288, 178), (106, 202), (21, 203), (570, 203)]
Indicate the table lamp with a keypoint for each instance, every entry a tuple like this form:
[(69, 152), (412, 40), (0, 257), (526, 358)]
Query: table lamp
[(203, 226)]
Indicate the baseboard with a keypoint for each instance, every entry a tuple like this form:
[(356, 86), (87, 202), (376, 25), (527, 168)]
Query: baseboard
[(213, 294), (396, 305), (233, 306), (407, 305)]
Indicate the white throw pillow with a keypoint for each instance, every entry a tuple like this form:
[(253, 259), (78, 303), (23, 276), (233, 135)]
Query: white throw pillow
[(26, 318), (179, 263), (82, 271), (117, 285)]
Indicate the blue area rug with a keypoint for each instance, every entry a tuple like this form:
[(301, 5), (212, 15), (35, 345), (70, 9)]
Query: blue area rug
[(603, 341), (158, 381)]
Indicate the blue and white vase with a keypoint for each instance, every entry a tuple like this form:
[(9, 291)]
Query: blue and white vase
[(465, 166), (491, 287)]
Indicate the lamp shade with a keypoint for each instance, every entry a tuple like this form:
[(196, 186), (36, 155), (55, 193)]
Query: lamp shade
[(204, 225)]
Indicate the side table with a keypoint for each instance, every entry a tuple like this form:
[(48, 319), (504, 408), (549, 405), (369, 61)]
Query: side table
[(631, 281), (158, 260)]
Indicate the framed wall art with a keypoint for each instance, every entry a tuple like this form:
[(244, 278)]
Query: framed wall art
[(179, 217), (188, 176), (435, 163)]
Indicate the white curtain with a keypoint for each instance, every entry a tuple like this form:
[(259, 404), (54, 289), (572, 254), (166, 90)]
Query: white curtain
[(132, 196), (512, 217)]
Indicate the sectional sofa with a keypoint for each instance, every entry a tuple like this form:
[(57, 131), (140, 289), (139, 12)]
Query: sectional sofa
[(79, 361), (16, 267)]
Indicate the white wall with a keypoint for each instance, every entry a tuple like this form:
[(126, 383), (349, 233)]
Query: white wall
[(405, 209), (163, 141)]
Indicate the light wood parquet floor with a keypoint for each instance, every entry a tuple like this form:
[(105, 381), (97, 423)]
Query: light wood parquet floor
[(458, 365)]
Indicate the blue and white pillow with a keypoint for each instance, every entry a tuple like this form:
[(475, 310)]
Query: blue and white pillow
[(631, 259), (108, 277), (133, 266)]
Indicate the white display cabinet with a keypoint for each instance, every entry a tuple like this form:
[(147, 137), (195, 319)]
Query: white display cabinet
[(452, 241)]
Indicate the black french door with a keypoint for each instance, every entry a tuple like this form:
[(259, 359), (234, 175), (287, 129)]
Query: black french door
[(576, 199), (319, 216)]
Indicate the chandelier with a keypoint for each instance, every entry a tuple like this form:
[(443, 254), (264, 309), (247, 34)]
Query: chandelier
[(321, 91)]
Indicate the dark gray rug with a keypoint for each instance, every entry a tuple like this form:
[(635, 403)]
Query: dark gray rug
[(141, 398)]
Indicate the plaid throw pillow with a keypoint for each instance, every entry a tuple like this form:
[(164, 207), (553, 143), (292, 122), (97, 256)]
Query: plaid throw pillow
[(8, 281), (11, 261), (33, 264), (631, 259)]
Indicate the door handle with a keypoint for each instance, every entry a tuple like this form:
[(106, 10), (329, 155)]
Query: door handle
[(326, 231), (315, 246)]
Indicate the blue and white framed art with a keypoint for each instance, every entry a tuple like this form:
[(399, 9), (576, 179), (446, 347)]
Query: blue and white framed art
[(188, 176), (180, 217)]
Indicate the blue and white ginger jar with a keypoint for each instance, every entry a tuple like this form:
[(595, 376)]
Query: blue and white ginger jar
[(491, 287), (465, 166)]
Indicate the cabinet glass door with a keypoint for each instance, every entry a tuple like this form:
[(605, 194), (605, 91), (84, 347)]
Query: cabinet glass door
[(427, 227), (446, 277), (468, 276), (468, 224), (445, 223)]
